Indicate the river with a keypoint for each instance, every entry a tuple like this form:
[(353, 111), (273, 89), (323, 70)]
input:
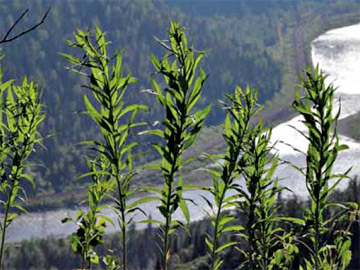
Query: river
[(338, 54)]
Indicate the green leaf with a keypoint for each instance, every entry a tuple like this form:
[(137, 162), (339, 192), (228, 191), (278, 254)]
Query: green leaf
[(155, 62), (11, 217), (75, 245), (185, 210), (297, 221), (4, 86), (29, 179), (209, 244), (342, 147), (94, 258), (226, 219), (94, 173), (71, 58), (132, 108), (156, 132), (22, 209), (152, 221), (143, 201), (91, 109), (227, 245), (105, 218), (235, 228)]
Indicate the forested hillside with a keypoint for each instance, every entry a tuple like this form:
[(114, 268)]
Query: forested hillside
[(241, 40)]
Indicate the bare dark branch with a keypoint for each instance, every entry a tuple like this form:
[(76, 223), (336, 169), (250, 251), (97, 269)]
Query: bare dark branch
[(6, 38), (16, 22)]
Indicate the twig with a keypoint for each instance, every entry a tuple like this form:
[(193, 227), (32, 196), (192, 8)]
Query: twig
[(6, 38)]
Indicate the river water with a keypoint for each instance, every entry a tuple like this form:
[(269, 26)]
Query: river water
[(338, 54)]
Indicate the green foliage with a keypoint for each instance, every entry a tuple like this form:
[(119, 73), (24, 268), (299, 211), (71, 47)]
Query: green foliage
[(258, 201), (181, 125), (189, 252), (316, 107), (242, 107), (92, 224), (112, 169), (21, 112)]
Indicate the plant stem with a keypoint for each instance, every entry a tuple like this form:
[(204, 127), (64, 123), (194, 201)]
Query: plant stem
[(8, 203), (169, 182), (7, 208), (124, 243), (167, 227), (317, 236), (123, 226), (218, 215), (251, 241)]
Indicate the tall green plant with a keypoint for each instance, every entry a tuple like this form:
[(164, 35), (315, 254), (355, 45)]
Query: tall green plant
[(241, 109), (182, 124), (316, 107), (114, 119), (257, 204), (21, 112)]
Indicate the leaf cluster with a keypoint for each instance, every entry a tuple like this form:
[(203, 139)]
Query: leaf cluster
[(114, 119), (317, 109), (92, 223), (241, 109), (258, 205), (21, 112), (182, 123)]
